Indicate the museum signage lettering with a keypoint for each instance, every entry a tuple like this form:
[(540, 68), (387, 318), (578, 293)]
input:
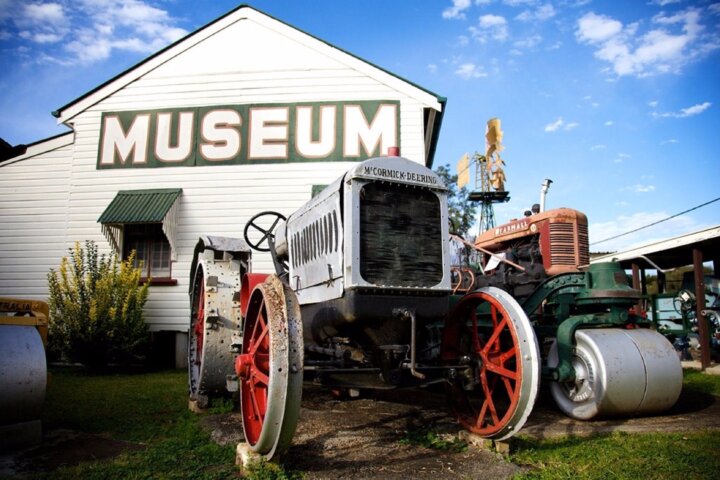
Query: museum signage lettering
[(242, 134)]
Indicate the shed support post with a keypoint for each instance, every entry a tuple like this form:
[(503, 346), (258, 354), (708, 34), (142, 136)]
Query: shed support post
[(636, 285), (661, 282), (700, 306)]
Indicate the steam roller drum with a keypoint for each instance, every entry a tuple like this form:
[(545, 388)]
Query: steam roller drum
[(23, 380), (618, 373)]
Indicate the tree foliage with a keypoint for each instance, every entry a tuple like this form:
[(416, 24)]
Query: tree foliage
[(96, 308), (461, 210)]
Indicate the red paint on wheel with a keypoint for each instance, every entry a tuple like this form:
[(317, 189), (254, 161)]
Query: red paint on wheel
[(480, 334)]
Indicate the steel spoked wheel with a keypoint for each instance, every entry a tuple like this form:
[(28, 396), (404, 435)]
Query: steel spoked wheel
[(489, 338), (269, 368), (196, 340)]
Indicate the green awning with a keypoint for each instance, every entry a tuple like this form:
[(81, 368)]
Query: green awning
[(140, 206), (158, 205)]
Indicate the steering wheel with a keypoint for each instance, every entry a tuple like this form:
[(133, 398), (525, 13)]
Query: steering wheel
[(262, 245)]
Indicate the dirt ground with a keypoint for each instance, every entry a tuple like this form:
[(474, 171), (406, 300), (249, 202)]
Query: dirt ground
[(366, 437)]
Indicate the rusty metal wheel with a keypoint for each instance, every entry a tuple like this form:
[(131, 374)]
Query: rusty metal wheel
[(269, 367), (489, 337), (196, 340)]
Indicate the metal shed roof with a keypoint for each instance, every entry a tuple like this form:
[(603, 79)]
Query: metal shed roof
[(671, 253)]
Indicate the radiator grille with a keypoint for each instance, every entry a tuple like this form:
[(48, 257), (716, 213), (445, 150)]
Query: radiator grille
[(400, 236), (562, 244)]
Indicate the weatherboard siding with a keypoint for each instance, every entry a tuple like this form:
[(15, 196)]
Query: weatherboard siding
[(33, 217)]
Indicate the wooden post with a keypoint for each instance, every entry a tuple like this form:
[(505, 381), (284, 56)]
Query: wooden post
[(700, 306), (662, 286)]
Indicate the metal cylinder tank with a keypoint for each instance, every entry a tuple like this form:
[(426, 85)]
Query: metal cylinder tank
[(619, 373), (23, 380)]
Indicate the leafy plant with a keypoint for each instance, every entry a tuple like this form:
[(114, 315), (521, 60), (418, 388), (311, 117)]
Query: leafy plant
[(96, 308)]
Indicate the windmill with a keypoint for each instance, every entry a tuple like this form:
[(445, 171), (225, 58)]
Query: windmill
[(489, 175)]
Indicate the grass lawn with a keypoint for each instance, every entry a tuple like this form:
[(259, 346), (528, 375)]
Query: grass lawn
[(147, 408), (151, 409), (628, 456)]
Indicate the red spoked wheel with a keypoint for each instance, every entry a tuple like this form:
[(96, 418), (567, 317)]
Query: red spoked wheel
[(489, 338), (269, 367)]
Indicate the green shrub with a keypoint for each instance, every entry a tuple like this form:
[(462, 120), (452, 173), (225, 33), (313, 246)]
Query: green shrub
[(96, 308)]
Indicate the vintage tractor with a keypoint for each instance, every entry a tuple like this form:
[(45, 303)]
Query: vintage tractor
[(364, 297)]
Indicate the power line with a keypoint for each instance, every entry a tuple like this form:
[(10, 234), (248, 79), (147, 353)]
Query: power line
[(655, 223)]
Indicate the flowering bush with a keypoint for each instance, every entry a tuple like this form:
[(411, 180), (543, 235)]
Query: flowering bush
[(96, 308)]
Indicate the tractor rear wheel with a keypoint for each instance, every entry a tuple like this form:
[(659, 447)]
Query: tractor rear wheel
[(269, 368), (197, 381), (489, 337)]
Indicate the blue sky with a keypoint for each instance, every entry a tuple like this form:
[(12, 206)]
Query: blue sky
[(617, 102)]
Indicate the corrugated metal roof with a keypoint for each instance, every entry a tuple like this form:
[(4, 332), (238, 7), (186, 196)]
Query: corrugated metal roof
[(140, 206)]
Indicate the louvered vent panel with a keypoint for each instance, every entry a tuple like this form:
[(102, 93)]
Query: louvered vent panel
[(562, 246)]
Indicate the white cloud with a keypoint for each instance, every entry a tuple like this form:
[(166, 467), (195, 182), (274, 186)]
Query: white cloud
[(432, 68), (560, 124), (662, 3), (518, 3), (673, 41), (540, 14), (492, 26), (621, 157), (609, 123), (597, 28), (92, 29), (714, 9), (468, 71), (685, 112), (653, 104), (44, 13), (551, 127), (457, 9), (669, 141), (640, 188), (528, 42), (599, 146)]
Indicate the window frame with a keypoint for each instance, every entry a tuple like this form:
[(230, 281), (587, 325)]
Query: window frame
[(148, 234)]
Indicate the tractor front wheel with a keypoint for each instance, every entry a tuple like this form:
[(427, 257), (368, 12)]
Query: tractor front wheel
[(490, 341)]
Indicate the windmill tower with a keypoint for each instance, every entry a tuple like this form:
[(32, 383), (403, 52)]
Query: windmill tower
[(490, 176)]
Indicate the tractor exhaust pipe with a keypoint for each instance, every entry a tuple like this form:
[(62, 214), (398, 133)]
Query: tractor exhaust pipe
[(543, 193)]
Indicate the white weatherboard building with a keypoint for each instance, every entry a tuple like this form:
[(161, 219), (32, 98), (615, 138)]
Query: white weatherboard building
[(244, 115)]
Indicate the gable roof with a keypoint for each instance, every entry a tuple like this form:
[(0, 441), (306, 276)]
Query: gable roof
[(42, 146), (430, 99)]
